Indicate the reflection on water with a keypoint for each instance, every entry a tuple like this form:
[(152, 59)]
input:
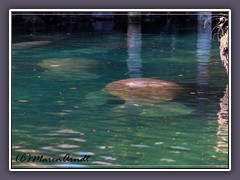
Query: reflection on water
[(59, 106), (222, 143), (203, 52), (134, 42), (223, 113), (203, 59)]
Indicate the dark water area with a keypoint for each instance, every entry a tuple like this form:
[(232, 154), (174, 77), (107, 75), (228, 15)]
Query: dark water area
[(60, 106)]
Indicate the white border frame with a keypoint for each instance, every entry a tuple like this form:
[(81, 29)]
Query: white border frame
[(115, 10)]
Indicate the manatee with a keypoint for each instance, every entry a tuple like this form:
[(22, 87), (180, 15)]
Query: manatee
[(165, 109), (146, 90), (69, 68), (145, 97), (30, 44), (97, 98), (68, 64), (88, 51)]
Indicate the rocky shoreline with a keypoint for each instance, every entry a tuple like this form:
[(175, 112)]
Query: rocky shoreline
[(224, 50), (223, 113)]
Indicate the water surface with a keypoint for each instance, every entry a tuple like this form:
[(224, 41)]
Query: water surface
[(59, 105)]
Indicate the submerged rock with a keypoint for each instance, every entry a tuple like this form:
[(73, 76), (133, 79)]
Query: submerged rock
[(145, 90)]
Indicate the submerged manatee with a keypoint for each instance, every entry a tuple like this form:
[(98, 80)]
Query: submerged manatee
[(68, 64), (145, 90), (165, 109), (69, 68), (145, 97), (30, 44)]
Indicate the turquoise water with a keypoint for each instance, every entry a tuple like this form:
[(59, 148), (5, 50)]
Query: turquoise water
[(59, 105)]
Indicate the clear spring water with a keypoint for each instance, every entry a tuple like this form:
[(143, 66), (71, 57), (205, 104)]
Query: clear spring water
[(59, 106)]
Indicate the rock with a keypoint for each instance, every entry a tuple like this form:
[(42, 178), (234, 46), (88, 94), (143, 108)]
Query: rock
[(223, 113), (224, 50)]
